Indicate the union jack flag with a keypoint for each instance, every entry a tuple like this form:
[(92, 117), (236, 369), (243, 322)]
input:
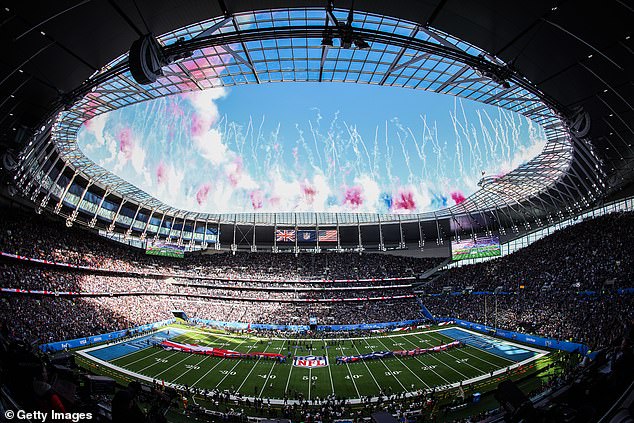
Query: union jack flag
[(329, 235), (285, 235)]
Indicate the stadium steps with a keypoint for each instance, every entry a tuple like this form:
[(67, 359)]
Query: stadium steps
[(425, 310)]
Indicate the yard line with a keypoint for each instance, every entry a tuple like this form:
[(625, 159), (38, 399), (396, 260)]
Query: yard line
[(482, 371), (215, 365), (332, 385), (130, 353), (172, 366), (208, 371), (491, 354), (310, 381), (190, 369), (156, 362), (271, 371), (417, 359), (366, 366), (287, 380), (188, 355), (449, 365), (251, 371), (385, 365), (234, 366), (350, 373), (404, 364), (142, 358), (497, 366)]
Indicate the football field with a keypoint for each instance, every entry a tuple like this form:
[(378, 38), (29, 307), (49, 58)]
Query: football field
[(477, 359)]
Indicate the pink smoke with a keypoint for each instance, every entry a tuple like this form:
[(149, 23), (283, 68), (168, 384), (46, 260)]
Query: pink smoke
[(257, 199), (234, 175), (202, 193), (404, 200), (353, 197), (125, 142), (174, 109), (198, 125), (309, 192), (161, 173), (458, 197), (274, 201)]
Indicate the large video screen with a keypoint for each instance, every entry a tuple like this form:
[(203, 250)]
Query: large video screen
[(488, 246), (162, 248)]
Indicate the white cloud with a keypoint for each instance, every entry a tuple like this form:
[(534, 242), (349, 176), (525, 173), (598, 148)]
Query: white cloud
[(204, 102), (210, 146)]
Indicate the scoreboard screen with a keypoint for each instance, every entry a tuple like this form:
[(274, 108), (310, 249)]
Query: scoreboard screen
[(162, 248), (488, 246)]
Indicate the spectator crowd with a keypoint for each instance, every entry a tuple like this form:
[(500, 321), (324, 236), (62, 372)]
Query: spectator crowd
[(594, 255)]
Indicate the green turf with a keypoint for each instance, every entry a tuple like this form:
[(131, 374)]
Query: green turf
[(270, 379)]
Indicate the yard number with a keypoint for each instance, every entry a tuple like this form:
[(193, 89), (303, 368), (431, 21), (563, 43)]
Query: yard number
[(160, 360), (353, 376), (306, 377), (462, 360), (227, 372), (393, 373)]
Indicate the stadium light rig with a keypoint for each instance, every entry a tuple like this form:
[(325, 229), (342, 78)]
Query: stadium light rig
[(345, 31)]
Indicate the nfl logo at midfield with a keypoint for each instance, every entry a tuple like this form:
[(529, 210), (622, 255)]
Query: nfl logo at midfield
[(310, 361)]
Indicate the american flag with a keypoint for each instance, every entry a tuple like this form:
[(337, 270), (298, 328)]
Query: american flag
[(285, 235), (329, 235)]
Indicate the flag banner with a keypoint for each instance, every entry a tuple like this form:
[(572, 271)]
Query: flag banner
[(285, 235), (370, 356), (419, 351), (307, 236), (328, 235), (217, 352), (406, 353)]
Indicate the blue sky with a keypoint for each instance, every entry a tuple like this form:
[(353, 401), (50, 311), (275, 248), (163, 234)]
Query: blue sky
[(309, 147)]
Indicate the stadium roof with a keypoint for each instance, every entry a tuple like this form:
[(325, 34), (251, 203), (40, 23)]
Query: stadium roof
[(562, 55)]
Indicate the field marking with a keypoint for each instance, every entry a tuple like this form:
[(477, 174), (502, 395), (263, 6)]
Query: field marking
[(310, 381), (332, 385), (106, 364), (463, 350), (366, 366), (502, 341), (188, 356), (352, 378), (215, 365), (271, 371), (190, 369), (449, 365), (232, 369), (196, 364), (157, 361), (252, 367), (417, 359), (406, 366), (140, 349), (526, 347), (142, 358), (289, 378), (389, 370)]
